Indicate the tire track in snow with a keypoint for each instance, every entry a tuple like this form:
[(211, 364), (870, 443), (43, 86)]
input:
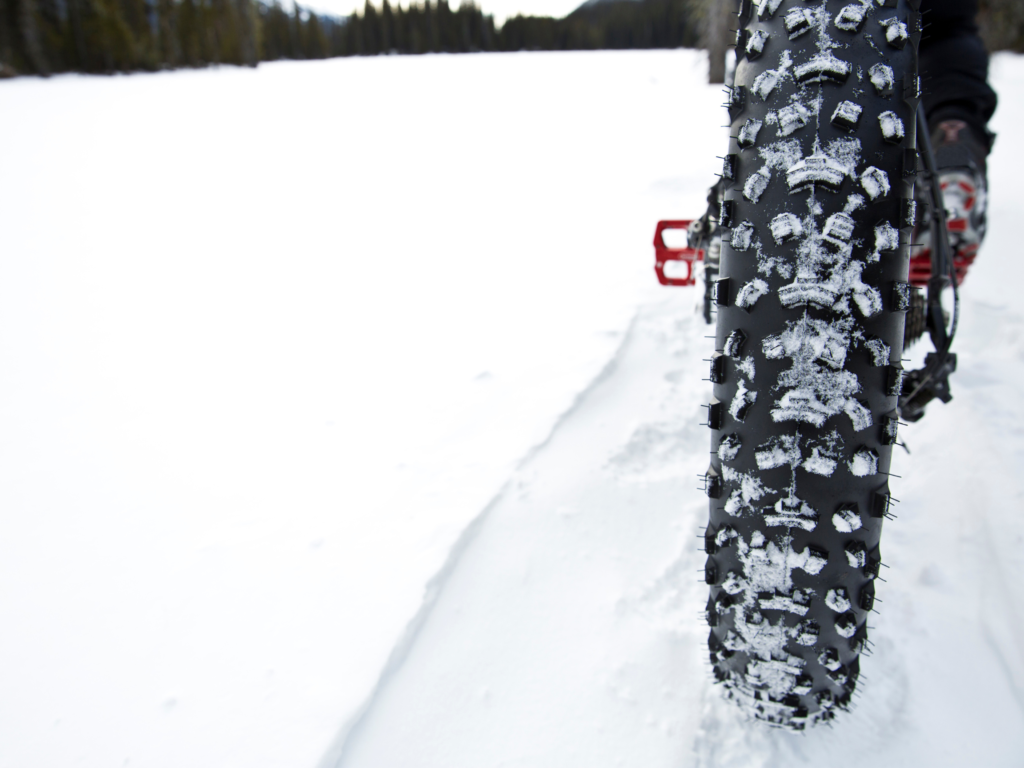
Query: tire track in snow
[(336, 753), (587, 542), (937, 682), (634, 692)]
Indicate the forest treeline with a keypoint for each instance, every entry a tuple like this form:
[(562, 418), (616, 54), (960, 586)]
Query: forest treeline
[(106, 36)]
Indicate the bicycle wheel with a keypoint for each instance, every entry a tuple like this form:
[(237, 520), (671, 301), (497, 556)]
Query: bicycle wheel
[(811, 299)]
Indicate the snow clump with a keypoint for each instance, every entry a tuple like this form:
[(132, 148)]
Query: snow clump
[(785, 226), (837, 600), (780, 155), (780, 450), (879, 351), (887, 238), (853, 202), (856, 555), (796, 604), (755, 45), (823, 66), (729, 447), (798, 21), (838, 229), (846, 625), (859, 415), (892, 127), (751, 292), (733, 583), (850, 18), (747, 366), (725, 535), (818, 168), (901, 296), (846, 521), (742, 235), (817, 386), (875, 182), (765, 83), (792, 512), (806, 633), (818, 463), (793, 118), (742, 498), (911, 214), (864, 463), (734, 343), (741, 401), (891, 426), (756, 184), (846, 152), (829, 659), (847, 114), (748, 133), (895, 31), (768, 568), (882, 78)]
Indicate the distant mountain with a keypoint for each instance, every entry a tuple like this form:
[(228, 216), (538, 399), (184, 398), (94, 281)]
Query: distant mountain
[(607, 24), (592, 3), (620, 13)]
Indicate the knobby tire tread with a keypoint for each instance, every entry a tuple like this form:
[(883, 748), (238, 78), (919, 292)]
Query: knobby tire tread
[(816, 219)]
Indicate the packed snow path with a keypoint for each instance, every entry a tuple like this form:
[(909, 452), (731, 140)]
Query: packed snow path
[(567, 629), (244, 439)]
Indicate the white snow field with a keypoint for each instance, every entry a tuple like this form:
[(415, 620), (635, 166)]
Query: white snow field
[(343, 425)]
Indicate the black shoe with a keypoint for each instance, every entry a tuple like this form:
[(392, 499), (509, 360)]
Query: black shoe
[(960, 160)]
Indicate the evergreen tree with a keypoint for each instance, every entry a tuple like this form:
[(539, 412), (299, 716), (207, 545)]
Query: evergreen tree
[(168, 47), (6, 38), (247, 42), (28, 30), (316, 40), (371, 29), (136, 17), (386, 28), (298, 46), (1002, 24), (433, 37), (189, 33)]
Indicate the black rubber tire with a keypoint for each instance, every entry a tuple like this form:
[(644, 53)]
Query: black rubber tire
[(811, 301)]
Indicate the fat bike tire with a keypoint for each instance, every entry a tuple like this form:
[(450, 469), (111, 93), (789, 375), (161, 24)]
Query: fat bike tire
[(816, 219)]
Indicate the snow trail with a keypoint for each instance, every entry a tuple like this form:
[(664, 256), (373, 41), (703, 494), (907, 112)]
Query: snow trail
[(336, 754), (568, 637), (268, 486), (271, 339), (570, 633), (496, 674)]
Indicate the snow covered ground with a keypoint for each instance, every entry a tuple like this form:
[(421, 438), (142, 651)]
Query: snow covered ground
[(344, 425)]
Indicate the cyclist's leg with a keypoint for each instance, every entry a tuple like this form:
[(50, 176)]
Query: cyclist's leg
[(954, 68), (958, 103)]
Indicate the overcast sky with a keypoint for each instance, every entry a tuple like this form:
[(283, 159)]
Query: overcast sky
[(500, 9)]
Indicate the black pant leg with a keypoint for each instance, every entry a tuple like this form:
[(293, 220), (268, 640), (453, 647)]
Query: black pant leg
[(954, 66)]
